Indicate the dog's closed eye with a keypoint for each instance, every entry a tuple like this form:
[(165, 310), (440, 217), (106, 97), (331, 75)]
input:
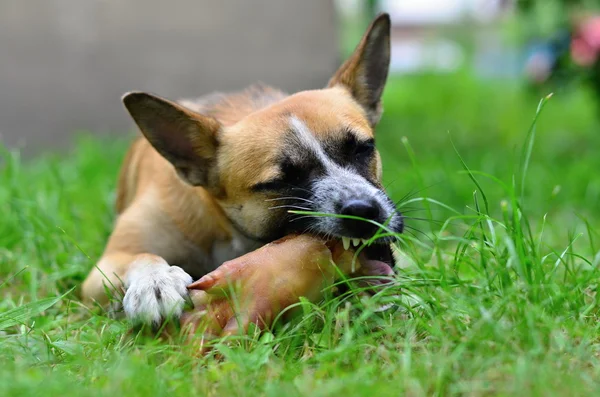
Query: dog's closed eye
[(291, 176), (364, 149), (275, 185)]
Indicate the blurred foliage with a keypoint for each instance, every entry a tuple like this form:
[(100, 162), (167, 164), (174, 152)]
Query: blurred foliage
[(371, 8), (487, 121), (545, 16), (555, 25)]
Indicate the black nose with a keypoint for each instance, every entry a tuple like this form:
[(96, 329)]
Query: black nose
[(367, 209)]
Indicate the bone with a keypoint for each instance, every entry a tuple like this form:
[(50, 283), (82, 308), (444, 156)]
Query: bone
[(257, 287)]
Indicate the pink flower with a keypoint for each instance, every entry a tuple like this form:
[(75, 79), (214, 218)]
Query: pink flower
[(590, 32), (582, 53), (585, 46)]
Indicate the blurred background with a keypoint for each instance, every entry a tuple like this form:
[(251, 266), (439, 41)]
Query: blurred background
[(65, 63), (468, 72)]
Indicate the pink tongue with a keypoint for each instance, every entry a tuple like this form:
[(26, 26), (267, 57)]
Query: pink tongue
[(379, 272), (371, 267)]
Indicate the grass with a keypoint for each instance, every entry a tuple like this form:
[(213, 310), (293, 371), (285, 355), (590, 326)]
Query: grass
[(497, 287)]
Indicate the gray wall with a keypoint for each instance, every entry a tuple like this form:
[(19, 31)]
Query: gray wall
[(64, 64)]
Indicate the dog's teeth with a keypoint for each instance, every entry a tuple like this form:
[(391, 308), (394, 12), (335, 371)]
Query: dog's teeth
[(364, 241), (346, 242), (355, 242)]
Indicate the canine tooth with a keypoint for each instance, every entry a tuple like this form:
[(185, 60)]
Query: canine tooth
[(364, 240), (346, 242), (355, 242)]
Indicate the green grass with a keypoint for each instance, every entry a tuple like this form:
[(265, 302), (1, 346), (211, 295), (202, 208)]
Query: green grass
[(498, 284)]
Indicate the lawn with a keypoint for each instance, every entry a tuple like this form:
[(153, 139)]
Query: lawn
[(496, 293)]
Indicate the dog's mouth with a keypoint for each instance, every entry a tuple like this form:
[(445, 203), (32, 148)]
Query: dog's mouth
[(375, 258)]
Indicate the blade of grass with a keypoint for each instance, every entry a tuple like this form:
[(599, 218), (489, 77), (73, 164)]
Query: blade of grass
[(529, 141), (20, 314)]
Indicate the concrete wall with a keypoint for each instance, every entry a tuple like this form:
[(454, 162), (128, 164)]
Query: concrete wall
[(64, 64)]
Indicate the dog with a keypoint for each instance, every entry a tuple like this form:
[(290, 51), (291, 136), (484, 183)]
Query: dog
[(212, 179)]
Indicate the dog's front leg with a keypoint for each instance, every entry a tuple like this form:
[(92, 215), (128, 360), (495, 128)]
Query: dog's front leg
[(154, 290)]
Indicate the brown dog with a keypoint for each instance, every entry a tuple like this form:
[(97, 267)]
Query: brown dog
[(213, 179)]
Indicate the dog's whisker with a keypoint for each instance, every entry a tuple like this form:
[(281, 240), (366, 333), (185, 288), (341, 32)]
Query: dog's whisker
[(389, 184), (302, 217), (412, 193), (291, 198), (408, 195), (417, 231), (297, 207), (412, 234)]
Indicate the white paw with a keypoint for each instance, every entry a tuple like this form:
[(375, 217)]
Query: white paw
[(155, 291)]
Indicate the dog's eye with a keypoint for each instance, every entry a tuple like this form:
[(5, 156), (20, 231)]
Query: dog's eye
[(364, 149), (292, 174), (269, 186)]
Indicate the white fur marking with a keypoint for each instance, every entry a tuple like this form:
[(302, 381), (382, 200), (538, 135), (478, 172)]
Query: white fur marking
[(308, 140), (339, 183), (155, 291)]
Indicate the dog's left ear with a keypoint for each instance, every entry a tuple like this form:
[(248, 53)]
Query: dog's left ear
[(364, 74), (186, 139)]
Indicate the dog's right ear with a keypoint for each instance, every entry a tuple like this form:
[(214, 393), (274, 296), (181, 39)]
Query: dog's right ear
[(186, 139), (364, 74)]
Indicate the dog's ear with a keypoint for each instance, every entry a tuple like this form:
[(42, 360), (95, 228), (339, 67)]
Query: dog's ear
[(364, 74), (186, 139)]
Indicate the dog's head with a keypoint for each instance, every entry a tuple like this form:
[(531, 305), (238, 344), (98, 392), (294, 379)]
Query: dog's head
[(314, 150)]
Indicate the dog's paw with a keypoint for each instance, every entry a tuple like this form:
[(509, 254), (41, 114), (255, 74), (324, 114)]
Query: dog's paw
[(155, 292)]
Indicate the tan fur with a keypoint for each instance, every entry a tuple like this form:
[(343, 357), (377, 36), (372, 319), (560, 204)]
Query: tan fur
[(127, 183), (163, 217)]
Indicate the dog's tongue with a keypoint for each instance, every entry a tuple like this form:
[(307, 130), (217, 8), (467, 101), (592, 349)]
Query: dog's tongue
[(379, 270), (376, 273), (373, 267)]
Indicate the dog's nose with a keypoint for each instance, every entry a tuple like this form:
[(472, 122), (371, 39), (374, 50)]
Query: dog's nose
[(367, 209)]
